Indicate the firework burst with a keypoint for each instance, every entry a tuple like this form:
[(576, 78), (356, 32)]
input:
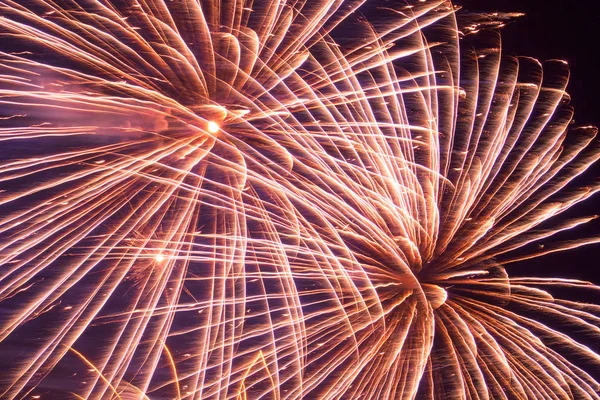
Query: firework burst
[(279, 199)]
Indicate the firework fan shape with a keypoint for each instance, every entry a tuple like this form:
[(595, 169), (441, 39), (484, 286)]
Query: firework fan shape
[(282, 199)]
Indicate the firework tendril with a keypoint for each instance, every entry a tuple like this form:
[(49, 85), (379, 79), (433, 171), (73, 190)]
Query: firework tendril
[(284, 199)]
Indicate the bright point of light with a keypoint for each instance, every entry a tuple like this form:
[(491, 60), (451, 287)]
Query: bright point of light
[(159, 258), (213, 127)]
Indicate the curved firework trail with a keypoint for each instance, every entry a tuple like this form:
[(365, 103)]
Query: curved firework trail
[(279, 199)]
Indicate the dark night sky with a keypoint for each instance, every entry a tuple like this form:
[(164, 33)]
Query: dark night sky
[(551, 29), (568, 30)]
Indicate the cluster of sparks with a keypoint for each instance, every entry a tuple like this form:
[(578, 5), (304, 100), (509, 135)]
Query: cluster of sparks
[(283, 199)]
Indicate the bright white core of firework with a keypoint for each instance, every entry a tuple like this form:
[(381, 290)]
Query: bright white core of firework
[(212, 127)]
